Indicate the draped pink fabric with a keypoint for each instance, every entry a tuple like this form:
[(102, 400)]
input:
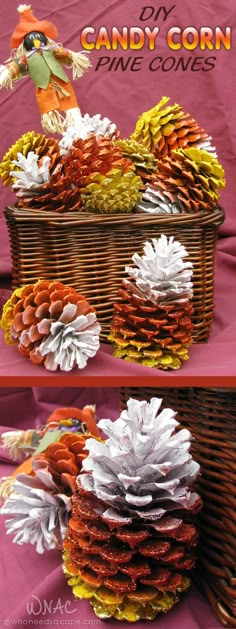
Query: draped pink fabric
[(33, 587), (207, 91)]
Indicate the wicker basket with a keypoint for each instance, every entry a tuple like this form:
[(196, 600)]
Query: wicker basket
[(90, 252), (210, 414)]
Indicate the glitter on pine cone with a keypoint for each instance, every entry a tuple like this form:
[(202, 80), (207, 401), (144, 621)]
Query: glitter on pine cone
[(52, 325), (144, 161), (39, 143), (155, 335), (165, 129), (129, 553), (190, 178)]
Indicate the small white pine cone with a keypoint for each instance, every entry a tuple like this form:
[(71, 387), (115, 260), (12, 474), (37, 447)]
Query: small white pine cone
[(40, 512), (144, 470), (161, 274)]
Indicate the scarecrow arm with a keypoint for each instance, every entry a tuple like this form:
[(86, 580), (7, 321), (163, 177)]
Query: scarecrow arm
[(75, 60), (12, 71)]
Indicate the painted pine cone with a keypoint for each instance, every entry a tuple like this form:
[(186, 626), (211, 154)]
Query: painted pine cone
[(63, 460), (144, 161), (165, 129), (189, 178), (112, 193), (95, 155), (127, 572), (39, 143), (156, 335), (52, 325), (132, 536), (59, 194)]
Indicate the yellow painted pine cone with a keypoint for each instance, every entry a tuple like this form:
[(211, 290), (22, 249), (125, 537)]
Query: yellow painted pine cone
[(163, 129), (112, 193)]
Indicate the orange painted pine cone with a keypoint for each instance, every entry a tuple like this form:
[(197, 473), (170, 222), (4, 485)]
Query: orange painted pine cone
[(131, 540), (57, 195), (156, 335), (64, 460), (190, 178), (133, 571)]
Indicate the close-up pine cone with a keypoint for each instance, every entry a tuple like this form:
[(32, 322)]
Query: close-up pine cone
[(131, 541)]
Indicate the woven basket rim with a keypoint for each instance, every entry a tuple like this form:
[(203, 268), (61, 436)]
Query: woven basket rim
[(214, 216)]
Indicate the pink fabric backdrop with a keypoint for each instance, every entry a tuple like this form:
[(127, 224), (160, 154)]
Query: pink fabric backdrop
[(122, 96), (27, 577)]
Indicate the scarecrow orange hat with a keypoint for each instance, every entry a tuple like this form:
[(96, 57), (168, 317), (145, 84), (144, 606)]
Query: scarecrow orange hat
[(28, 23)]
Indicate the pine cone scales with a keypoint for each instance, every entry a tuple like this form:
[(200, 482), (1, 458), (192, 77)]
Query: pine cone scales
[(190, 178), (63, 460), (153, 335), (165, 130), (129, 572), (92, 156), (57, 195), (144, 161), (112, 193), (52, 324), (39, 143)]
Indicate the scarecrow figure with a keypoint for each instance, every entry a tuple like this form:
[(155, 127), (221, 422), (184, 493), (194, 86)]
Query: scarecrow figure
[(35, 54)]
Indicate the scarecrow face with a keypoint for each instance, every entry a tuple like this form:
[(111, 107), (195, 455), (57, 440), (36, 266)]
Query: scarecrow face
[(34, 40)]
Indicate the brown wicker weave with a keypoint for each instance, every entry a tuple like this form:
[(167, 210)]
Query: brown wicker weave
[(90, 252), (210, 414)]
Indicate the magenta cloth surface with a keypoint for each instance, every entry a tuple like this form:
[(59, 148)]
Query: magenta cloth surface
[(33, 587), (209, 96)]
